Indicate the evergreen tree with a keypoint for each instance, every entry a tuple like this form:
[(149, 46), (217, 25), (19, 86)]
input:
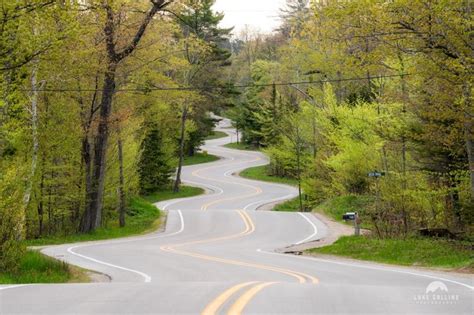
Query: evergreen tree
[(154, 166)]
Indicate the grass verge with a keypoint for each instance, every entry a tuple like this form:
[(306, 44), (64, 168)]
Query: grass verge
[(37, 268), (337, 206), (408, 252), (240, 146), (291, 205), (216, 135), (199, 158), (261, 173), (142, 217), (184, 192)]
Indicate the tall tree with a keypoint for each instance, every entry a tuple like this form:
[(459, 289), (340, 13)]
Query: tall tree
[(92, 217), (203, 48)]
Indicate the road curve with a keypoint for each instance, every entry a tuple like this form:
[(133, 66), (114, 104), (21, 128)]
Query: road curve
[(217, 257)]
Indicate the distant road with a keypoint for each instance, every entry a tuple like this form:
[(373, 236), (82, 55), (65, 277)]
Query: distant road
[(217, 257)]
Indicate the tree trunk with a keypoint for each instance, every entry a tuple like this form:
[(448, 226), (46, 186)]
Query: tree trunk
[(470, 154), (121, 184), (298, 162), (34, 156), (404, 146), (41, 202), (93, 214), (184, 115)]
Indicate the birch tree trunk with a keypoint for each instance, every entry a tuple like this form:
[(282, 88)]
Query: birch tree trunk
[(184, 116), (35, 149)]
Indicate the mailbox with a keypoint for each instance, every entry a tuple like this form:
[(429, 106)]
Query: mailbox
[(349, 216)]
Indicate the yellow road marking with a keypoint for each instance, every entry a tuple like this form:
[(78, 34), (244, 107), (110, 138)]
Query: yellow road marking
[(214, 306), (258, 190), (249, 221), (249, 228), (239, 305)]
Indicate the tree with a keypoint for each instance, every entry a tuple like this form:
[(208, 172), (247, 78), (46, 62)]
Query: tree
[(92, 217), (203, 41), (154, 165)]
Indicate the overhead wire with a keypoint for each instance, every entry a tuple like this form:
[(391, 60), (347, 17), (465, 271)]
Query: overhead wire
[(206, 88)]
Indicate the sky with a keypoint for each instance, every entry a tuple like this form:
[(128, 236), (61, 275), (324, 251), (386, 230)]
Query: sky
[(258, 14)]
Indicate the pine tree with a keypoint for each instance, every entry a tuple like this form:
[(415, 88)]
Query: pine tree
[(154, 165)]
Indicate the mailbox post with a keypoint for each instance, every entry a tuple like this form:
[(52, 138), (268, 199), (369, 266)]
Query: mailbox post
[(353, 216)]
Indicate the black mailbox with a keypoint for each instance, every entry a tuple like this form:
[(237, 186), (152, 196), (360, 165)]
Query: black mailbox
[(349, 216)]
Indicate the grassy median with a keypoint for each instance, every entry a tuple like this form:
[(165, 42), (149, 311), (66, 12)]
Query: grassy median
[(261, 173), (216, 135), (199, 158), (240, 146)]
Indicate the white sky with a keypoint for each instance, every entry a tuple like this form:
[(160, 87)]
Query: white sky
[(258, 14)]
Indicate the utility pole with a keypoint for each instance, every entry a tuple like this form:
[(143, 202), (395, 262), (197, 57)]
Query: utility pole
[(375, 174)]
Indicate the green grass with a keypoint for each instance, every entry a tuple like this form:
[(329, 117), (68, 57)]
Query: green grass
[(38, 268), (261, 173), (240, 146), (184, 192), (337, 206), (216, 135), (290, 205), (142, 217), (199, 158), (409, 252)]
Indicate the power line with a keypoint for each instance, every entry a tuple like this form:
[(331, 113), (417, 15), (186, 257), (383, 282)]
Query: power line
[(206, 88)]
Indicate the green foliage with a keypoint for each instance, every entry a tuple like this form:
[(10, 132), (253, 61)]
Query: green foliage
[(51, 76), (371, 100), (337, 206), (410, 252), (12, 218), (154, 166), (293, 205), (184, 192), (263, 173), (240, 146), (34, 267), (216, 135), (142, 217), (199, 158)]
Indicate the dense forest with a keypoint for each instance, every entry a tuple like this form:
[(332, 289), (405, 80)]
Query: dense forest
[(349, 89), (102, 100)]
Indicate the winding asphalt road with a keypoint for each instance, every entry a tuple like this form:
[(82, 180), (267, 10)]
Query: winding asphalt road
[(217, 257)]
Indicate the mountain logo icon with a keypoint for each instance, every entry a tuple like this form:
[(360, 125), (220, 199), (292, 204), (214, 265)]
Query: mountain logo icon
[(435, 286)]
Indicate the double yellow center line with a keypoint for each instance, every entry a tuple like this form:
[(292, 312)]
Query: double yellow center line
[(249, 228), (239, 305)]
